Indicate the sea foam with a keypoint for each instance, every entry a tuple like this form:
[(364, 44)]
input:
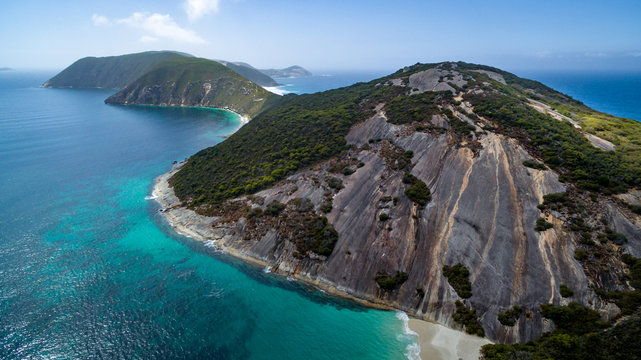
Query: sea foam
[(276, 90), (413, 350)]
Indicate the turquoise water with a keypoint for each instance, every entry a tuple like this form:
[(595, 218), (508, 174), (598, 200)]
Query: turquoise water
[(88, 268)]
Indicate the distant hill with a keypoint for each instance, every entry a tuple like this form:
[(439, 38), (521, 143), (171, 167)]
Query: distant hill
[(292, 71), (5, 69), (113, 72), (250, 73), (195, 82)]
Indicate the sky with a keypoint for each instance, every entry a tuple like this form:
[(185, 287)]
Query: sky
[(329, 34)]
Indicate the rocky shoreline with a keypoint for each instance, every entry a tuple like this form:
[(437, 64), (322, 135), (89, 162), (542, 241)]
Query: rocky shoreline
[(188, 223)]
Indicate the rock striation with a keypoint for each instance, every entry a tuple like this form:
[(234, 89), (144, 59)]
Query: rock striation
[(484, 212)]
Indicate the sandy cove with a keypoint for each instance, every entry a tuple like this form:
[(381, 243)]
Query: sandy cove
[(437, 342)]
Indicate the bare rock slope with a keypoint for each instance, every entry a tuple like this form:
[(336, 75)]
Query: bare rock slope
[(482, 214)]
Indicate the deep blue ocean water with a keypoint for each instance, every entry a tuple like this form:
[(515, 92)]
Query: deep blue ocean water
[(326, 80), (89, 269), (616, 93), (613, 92)]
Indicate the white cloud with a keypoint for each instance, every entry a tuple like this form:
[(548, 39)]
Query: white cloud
[(195, 9), (597, 54), (148, 39), (99, 20), (161, 27)]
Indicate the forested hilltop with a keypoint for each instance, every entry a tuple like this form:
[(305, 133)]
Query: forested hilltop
[(112, 72), (191, 81), (457, 192)]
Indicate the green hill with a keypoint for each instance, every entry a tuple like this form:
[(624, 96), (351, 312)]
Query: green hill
[(195, 82), (113, 72), (292, 71), (304, 130), (249, 72)]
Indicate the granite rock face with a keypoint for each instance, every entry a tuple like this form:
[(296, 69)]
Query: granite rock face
[(482, 214)]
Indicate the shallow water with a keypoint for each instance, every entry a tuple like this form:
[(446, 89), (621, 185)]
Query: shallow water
[(89, 269)]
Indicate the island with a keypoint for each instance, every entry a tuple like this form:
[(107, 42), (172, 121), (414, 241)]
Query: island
[(288, 72)]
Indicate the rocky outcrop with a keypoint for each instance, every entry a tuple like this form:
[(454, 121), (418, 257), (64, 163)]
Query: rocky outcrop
[(482, 214), (487, 211)]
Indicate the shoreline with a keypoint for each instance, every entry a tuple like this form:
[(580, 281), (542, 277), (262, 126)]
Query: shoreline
[(435, 341)]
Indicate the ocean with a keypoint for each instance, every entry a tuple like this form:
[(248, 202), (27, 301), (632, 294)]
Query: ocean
[(89, 268), (613, 92)]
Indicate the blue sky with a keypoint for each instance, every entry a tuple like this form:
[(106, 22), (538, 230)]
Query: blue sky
[(370, 35)]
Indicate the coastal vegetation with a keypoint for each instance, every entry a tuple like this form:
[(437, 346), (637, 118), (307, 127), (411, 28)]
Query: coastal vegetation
[(467, 318), (390, 282), (190, 81), (406, 109), (300, 131), (580, 333), (458, 277), (511, 316), (558, 143), (112, 72)]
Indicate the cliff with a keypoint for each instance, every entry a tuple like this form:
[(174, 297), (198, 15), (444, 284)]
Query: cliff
[(112, 72), (195, 82), (378, 190)]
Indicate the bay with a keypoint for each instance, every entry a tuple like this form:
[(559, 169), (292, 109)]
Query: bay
[(89, 269)]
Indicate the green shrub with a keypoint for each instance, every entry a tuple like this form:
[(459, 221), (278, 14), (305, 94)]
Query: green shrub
[(574, 318), (458, 277), (419, 193), (542, 225), (274, 208), (254, 212), (580, 254), (468, 318), (534, 165), (617, 238), (383, 217), (335, 183), (326, 207), (390, 282), (552, 198), (409, 178), (348, 171), (565, 291), (509, 317), (317, 235)]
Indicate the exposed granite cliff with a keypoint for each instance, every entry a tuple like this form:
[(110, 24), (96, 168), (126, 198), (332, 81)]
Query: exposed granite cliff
[(195, 82), (482, 214)]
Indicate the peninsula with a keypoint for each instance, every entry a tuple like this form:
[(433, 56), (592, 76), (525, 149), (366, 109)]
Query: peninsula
[(458, 193)]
